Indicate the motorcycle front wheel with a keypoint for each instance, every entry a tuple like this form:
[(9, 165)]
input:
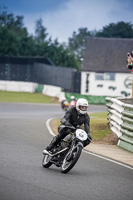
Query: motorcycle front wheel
[(46, 161), (70, 159)]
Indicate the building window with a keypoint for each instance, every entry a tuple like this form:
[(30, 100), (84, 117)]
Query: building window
[(105, 76)]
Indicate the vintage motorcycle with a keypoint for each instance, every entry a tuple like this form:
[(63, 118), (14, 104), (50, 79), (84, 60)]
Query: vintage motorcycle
[(67, 152)]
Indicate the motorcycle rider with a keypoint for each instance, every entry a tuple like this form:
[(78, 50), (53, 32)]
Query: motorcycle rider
[(64, 104), (75, 116), (72, 102)]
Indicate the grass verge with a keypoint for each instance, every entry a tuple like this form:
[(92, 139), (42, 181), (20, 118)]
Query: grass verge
[(99, 125), (25, 97)]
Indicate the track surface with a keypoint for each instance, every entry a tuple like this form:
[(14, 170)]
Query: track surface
[(23, 136)]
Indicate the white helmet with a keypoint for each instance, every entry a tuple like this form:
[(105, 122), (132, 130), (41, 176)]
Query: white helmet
[(72, 97), (82, 102)]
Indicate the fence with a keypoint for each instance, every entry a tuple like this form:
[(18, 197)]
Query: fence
[(120, 117), (33, 70)]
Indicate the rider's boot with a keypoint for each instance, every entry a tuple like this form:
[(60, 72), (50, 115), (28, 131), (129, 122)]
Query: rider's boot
[(62, 133), (53, 143)]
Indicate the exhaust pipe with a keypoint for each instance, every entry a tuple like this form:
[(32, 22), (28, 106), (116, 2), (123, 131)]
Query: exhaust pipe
[(55, 154)]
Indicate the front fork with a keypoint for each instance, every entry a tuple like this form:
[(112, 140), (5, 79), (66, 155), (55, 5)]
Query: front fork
[(74, 146)]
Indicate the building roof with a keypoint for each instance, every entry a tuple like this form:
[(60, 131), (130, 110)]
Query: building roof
[(106, 54)]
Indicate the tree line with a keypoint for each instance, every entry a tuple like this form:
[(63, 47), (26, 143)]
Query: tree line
[(16, 41)]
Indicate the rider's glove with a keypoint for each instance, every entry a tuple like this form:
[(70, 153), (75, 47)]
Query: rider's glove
[(78, 126)]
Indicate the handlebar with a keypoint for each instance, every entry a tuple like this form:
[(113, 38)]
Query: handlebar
[(72, 127)]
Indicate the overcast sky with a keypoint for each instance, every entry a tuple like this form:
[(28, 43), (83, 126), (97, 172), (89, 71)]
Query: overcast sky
[(62, 17)]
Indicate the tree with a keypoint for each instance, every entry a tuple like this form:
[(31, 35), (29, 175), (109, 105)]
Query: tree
[(12, 36), (40, 31), (62, 56), (15, 41), (77, 43), (118, 30), (9, 21), (9, 43), (27, 46)]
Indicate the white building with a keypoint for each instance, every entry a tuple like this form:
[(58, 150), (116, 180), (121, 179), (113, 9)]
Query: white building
[(104, 71)]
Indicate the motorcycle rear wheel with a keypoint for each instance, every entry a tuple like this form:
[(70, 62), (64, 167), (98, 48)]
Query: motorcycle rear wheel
[(46, 161), (70, 160)]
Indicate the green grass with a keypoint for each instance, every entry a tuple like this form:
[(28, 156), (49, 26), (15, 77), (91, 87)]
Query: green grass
[(26, 97), (99, 125)]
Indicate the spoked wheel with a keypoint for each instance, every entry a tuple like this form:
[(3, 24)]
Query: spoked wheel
[(46, 161), (70, 159)]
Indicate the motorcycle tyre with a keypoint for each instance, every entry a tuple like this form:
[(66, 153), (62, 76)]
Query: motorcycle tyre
[(73, 162), (47, 164)]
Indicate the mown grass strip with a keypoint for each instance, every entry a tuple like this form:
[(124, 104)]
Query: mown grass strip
[(25, 97)]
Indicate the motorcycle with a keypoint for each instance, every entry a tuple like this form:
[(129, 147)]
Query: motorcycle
[(66, 154)]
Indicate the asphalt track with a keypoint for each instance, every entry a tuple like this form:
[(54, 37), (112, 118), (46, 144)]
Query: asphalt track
[(23, 136)]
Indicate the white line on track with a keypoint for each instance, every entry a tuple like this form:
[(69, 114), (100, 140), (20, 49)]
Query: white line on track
[(93, 154), (49, 128), (108, 159)]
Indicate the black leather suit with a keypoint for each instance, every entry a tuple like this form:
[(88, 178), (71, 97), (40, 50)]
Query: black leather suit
[(71, 118)]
